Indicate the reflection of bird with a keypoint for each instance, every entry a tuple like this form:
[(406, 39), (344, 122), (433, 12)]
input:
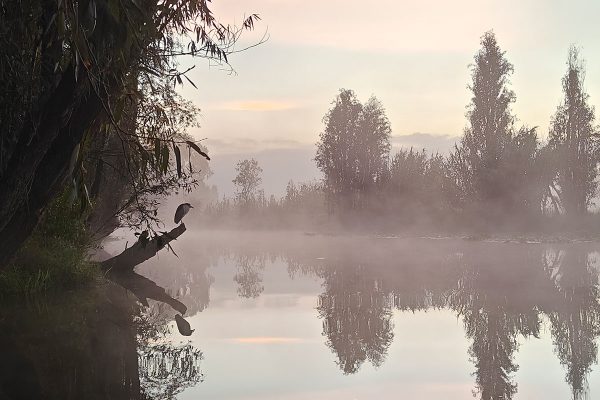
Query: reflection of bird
[(183, 326), (181, 211)]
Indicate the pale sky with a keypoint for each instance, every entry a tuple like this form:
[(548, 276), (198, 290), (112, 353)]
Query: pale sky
[(412, 55)]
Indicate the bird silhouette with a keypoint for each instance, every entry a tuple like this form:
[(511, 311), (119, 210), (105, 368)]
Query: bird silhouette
[(181, 211), (183, 326)]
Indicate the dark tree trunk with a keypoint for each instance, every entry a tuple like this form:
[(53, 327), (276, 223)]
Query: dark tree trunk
[(68, 105), (141, 251), (44, 163)]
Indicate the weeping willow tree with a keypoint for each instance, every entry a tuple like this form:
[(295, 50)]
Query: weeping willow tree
[(76, 74)]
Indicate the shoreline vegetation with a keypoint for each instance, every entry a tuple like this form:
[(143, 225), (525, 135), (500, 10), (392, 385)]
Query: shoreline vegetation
[(500, 177), (55, 256), (500, 182), (53, 261)]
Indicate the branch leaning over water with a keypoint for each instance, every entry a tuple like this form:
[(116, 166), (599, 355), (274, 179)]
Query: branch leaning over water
[(141, 251)]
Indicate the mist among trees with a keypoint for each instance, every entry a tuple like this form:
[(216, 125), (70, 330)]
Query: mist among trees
[(99, 146), (500, 175)]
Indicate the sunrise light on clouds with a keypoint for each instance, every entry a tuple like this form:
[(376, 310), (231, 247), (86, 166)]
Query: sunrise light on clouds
[(414, 56), (255, 105), (299, 199)]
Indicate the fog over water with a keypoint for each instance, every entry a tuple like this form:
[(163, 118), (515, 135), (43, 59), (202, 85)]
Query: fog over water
[(286, 200), (293, 315), (358, 317)]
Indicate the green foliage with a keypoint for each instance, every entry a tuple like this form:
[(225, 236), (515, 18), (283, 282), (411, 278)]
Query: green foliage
[(54, 257), (498, 170), (416, 180), (80, 76)]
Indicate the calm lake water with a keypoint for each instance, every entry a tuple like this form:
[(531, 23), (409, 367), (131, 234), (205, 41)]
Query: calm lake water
[(293, 316)]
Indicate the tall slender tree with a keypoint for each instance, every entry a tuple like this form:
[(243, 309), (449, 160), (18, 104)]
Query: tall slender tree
[(572, 139), (497, 166), (481, 150), (373, 144)]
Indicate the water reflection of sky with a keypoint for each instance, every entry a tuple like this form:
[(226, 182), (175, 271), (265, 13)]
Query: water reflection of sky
[(273, 346)]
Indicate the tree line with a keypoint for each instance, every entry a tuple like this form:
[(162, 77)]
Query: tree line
[(498, 168), (499, 171), (302, 205)]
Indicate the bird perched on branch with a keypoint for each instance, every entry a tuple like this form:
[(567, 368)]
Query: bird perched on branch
[(181, 211)]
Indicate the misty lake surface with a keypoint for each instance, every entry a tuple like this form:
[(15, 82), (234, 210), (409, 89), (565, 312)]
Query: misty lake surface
[(297, 316)]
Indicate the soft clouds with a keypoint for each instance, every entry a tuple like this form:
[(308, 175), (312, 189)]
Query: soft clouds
[(389, 25), (280, 164), (284, 160), (442, 144), (412, 55), (256, 105), (248, 145), (265, 340)]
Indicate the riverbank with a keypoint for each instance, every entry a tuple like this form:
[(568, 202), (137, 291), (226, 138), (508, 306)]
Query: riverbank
[(48, 266), (54, 258)]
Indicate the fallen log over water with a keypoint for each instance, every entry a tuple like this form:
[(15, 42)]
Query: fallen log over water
[(141, 251)]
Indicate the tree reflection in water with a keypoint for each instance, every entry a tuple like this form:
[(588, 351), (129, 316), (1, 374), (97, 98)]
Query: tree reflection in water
[(249, 278), (493, 299), (575, 321), (166, 371), (356, 317), (97, 344), (103, 344), (502, 292)]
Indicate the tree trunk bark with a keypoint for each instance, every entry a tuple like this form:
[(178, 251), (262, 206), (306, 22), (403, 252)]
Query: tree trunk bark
[(46, 171), (141, 251), (64, 113)]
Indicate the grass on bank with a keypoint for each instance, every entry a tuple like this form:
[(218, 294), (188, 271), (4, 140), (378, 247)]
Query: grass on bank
[(54, 258)]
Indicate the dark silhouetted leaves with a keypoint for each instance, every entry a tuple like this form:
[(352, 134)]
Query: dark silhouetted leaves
[(197, 149), (177, 158), (165, 159)]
